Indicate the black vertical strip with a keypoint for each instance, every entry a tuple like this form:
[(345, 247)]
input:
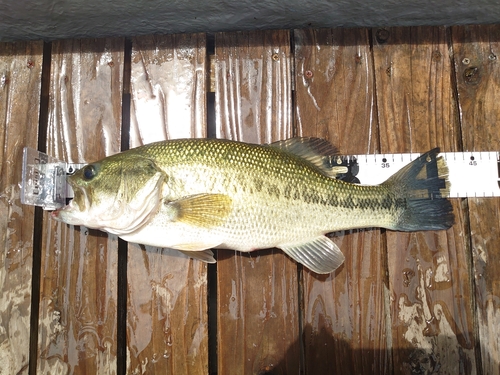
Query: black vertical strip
[(390, 353), (121, 335), (127, 72), (300, 339), (374, 73), (212, 318), (212, 268), (43, 120), (454, 86), (211, 119), (464, 202), (383, 237), (498, 165), (38, 217), (300, 268), (211, 124)]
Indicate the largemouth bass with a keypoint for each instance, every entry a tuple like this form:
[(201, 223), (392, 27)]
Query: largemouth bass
[(197, 194)]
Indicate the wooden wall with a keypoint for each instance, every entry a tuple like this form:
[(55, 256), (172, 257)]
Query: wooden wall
[(79, 301)]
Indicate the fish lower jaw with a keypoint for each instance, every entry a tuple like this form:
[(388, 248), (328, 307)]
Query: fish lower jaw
[(62, 216), (64, 213), (56, 215)]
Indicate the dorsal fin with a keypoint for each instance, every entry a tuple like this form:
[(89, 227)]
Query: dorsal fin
[(316, 151)]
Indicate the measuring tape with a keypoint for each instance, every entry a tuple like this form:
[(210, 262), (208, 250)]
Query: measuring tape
[(471, 174)]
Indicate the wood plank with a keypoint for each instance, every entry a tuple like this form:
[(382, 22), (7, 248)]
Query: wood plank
[(429, 272), (345, 328), (476, 57), (169, 88), (258, 322), (167, 321), (20, 81), (79, 266), (253, 86)]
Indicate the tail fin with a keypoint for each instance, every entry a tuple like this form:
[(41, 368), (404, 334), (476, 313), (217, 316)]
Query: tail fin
[(422, 183)]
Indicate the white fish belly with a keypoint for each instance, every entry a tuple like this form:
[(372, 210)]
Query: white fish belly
[(175, 236)]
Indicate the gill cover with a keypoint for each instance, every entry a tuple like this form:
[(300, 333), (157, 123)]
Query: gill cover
[(117, 194)]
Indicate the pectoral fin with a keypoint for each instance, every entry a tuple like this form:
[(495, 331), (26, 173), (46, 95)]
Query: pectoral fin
[(206, 256), (202, 210), (320, 255)]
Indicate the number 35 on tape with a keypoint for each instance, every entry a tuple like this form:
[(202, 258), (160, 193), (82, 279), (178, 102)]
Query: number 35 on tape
[(471, 174)]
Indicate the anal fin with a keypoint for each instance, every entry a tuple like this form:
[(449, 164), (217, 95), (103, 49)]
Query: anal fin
[(206, 256), (320, 255)]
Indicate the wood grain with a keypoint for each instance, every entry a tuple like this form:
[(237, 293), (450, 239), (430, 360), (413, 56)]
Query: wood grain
[(169, 88), (429, 272), (476, 59), (20, 82), (78, 287), (258, 326), (334, 81), (345, 329), (167, 322), (425, 302), (253, 92)]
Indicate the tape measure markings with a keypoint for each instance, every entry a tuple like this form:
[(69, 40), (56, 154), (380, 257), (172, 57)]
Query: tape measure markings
[(471, 174)]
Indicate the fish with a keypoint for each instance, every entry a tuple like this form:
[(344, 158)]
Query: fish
[(195, 195)]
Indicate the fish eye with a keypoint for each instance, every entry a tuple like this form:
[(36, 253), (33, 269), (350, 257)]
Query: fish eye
[(89, 172)]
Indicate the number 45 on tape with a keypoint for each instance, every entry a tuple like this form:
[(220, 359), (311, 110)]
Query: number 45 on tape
[(471, 174)]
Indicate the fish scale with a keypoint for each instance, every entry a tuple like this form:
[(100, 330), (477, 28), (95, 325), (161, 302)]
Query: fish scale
[(196, 194), (280, 177)]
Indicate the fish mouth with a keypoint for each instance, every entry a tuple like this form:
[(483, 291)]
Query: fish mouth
[(56, 214), (74, 205)]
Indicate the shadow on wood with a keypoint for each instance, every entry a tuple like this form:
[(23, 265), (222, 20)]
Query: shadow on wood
[(327, 350)]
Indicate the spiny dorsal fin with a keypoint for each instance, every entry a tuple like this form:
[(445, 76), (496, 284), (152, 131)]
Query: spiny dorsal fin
[(202, 210), (316, 151)]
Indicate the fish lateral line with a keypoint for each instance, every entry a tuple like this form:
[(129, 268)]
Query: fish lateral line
[(192, 194)]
